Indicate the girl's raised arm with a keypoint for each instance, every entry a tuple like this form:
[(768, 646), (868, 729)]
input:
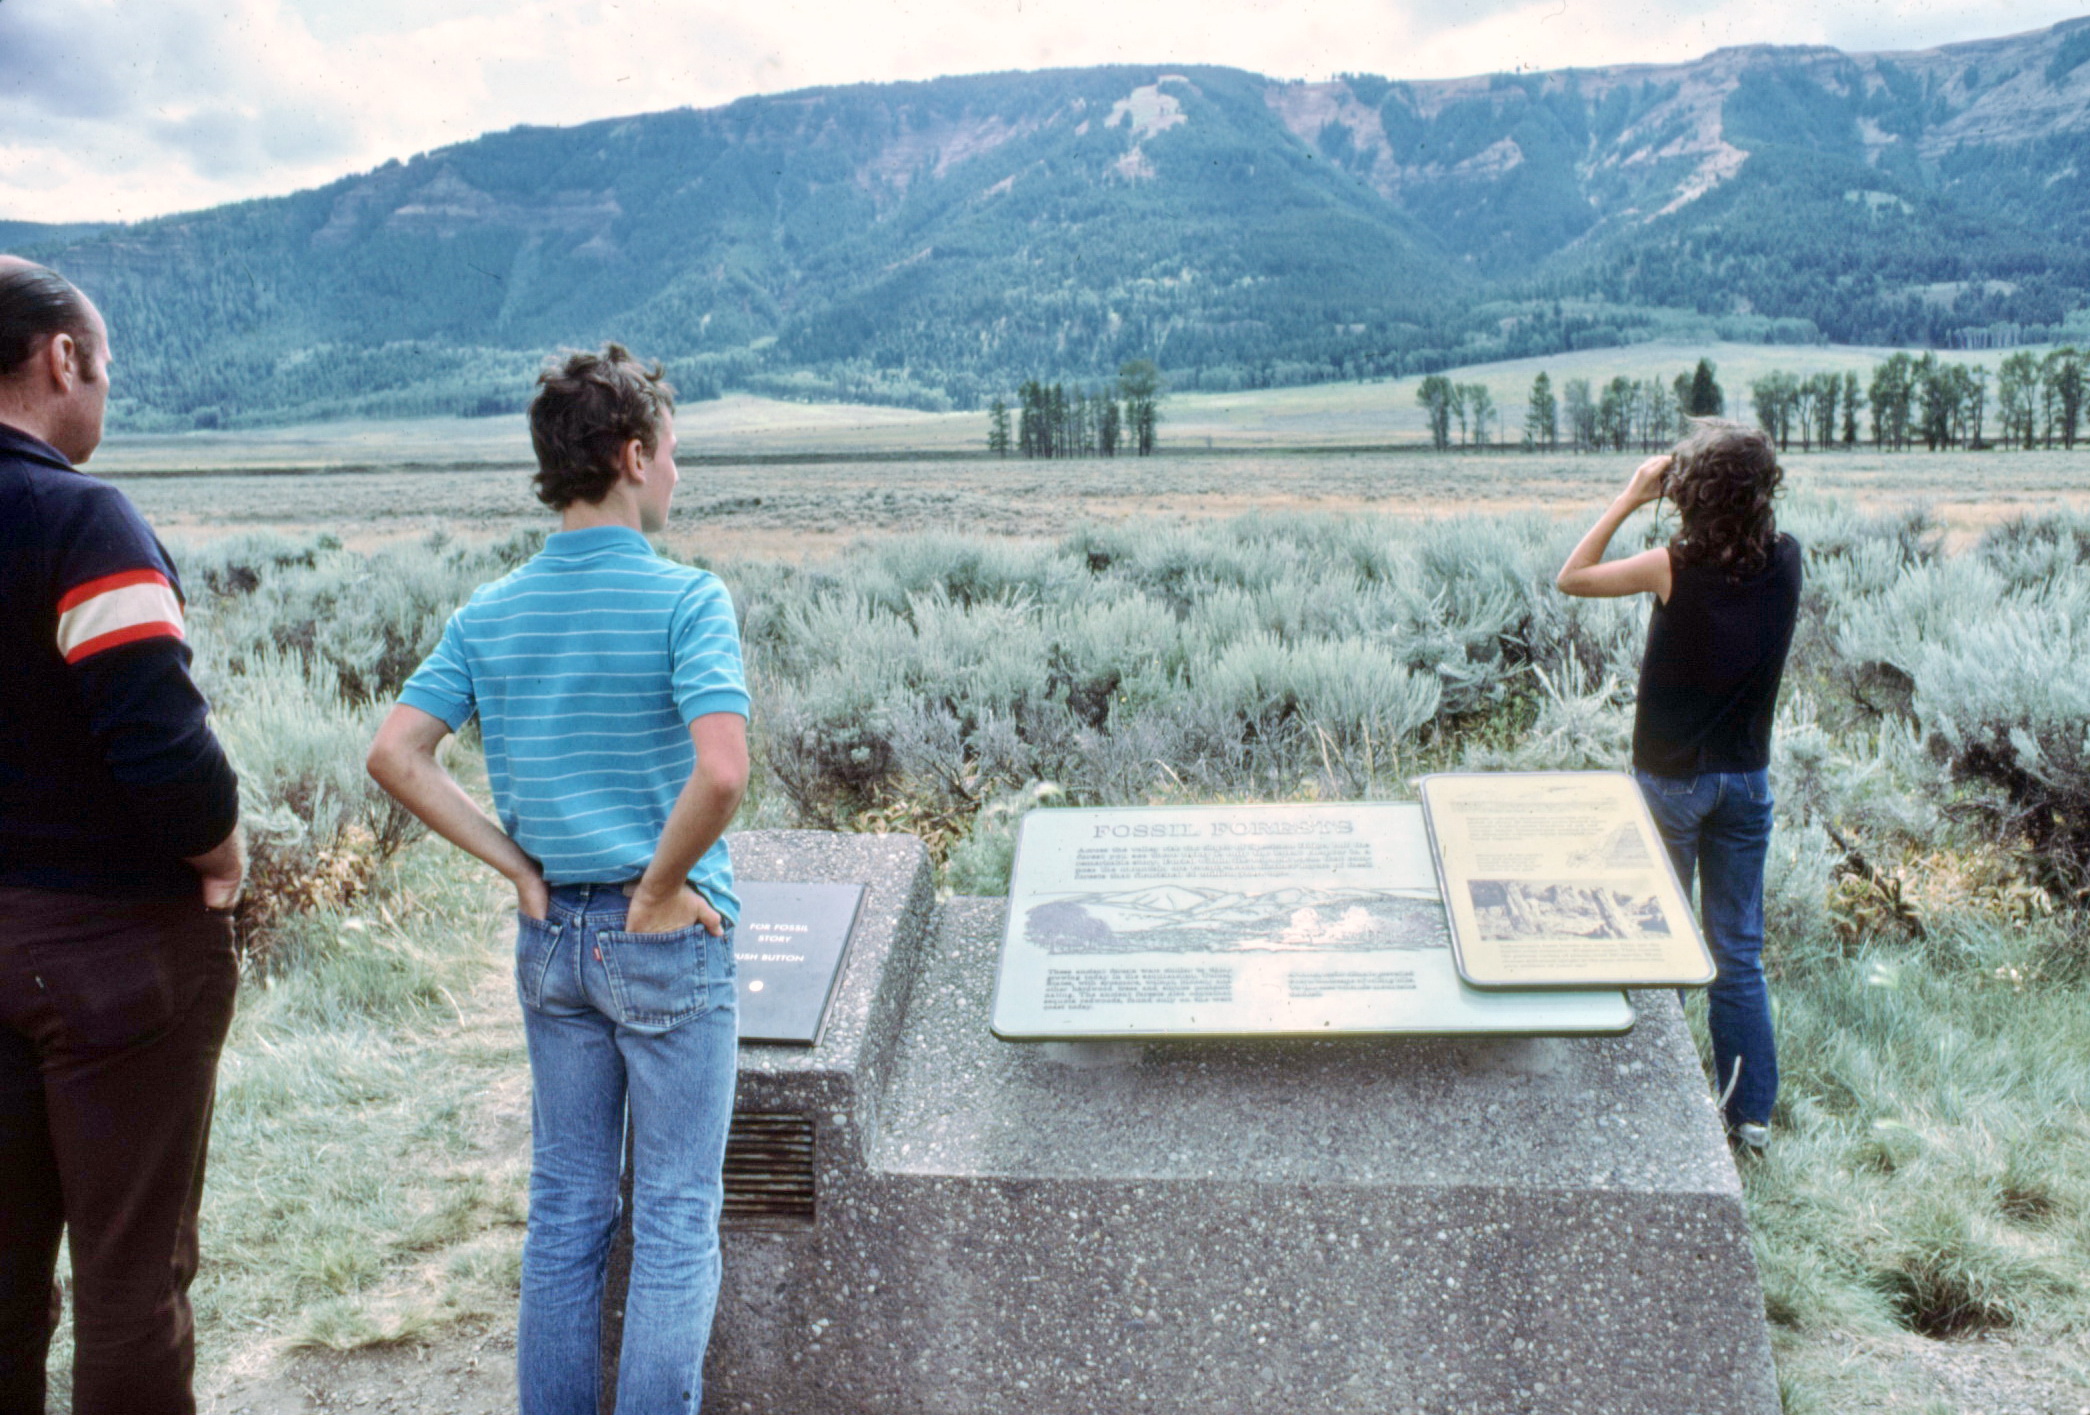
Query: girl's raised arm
[(1589, 576)]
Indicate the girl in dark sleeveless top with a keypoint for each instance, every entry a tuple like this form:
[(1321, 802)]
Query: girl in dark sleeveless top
[(1727, 589)]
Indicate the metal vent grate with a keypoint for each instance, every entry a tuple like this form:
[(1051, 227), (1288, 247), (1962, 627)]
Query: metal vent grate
[(769, 1170)]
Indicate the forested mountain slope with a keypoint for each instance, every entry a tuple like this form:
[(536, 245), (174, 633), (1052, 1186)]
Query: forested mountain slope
[(934, 242)]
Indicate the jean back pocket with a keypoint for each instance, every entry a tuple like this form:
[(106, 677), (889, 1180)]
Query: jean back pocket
[(657, 981), (536, 945)]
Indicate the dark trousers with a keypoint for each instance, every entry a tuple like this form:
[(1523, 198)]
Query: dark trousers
[(112, 1013)]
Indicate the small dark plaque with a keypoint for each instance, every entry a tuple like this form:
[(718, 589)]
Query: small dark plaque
[(789, 946)]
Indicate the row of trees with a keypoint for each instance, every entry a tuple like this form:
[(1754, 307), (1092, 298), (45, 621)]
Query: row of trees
[(1644, 413), (1053, 422), (2041, 399), (1470, 403), (2037, 401), (1909, 399), (1912, 399), (1787, 403)]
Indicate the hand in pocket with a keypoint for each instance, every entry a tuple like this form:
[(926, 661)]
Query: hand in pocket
[(670, 913)]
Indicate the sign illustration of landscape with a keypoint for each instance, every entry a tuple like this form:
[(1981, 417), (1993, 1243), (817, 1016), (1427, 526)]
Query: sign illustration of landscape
[(787, 950), (1559, 879), (1308, 920)]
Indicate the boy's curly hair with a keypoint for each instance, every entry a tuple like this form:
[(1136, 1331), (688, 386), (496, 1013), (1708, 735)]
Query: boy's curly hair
[(1722, 481), (588, 406)]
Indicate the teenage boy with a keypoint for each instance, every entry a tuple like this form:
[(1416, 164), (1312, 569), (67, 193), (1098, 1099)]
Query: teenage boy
[(120, 862), (611, 702)]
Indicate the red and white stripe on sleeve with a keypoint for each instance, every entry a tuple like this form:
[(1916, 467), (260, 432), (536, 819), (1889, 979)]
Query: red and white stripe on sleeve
[(117, 609)]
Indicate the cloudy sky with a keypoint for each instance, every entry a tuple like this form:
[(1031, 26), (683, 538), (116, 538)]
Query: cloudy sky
[(121, 109)]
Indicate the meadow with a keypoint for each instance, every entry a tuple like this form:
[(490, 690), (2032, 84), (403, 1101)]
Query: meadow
[(765, 477), (1377, 412), (940, 643), (805, 505)]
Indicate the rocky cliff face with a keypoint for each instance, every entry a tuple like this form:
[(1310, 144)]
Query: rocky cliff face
[(1633, 143)]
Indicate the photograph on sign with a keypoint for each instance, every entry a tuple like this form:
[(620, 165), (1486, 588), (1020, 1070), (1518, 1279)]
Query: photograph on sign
[(787, 951), (1559, 879), (1307, 920)]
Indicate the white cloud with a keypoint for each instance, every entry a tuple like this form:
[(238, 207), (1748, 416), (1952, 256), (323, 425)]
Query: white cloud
[(117, 109)]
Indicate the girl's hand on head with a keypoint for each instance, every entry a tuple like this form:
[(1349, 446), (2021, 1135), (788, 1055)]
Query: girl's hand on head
[(1646, 484)]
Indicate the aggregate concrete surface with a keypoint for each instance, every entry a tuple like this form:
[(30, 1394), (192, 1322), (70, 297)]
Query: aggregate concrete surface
[(1514, 1225)]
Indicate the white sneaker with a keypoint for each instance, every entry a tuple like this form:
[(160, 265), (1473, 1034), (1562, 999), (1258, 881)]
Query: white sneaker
[(1751, 1139)]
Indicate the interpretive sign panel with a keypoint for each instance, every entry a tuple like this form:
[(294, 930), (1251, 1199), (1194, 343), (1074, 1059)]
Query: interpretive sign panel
[(1246, 920), (1559, 879), (788, 948)]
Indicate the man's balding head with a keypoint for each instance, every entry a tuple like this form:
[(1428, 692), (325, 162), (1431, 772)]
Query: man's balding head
[(35, 304), (54, 359)]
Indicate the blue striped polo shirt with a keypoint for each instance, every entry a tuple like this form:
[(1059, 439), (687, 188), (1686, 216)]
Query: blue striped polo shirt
[(586, 666)]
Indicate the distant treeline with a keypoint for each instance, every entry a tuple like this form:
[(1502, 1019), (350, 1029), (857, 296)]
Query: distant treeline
[(2030, 401), (1052, 422), (1909, 399), (1644, 413)]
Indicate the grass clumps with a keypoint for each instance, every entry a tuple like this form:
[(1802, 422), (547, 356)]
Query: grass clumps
[(1930, 1178), (1928, 1186), (359, 1191)]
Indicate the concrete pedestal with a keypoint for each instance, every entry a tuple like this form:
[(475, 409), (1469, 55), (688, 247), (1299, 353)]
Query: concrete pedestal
[(1363, 1225)]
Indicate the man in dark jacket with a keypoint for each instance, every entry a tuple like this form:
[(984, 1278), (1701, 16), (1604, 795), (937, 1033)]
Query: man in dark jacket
[(120, 860)]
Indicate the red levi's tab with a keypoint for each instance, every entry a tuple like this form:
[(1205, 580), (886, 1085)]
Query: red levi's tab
[(117, 609)]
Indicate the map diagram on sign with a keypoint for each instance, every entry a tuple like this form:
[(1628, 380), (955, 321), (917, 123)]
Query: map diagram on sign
[(1190, 919)]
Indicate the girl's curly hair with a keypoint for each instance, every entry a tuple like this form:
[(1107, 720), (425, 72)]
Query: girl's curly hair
[(1722, 481)]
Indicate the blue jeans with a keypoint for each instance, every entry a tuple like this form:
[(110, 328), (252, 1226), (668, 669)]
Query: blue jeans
[(1718, 824), (617, 1020)]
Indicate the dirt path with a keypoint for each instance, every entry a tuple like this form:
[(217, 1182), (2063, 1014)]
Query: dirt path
[(472, 1372), (465, 1373), (468, 1366)]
